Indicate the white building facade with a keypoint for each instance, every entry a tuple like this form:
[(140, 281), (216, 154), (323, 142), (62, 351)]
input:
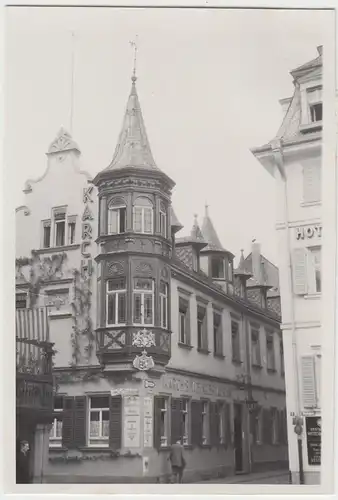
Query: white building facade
[(294, 158)]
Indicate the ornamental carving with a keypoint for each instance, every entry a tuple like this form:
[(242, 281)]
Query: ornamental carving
[(143, 362), (144, 268), (62, 142), (117, 339), (115, 269), (144, 338), (165, 273)]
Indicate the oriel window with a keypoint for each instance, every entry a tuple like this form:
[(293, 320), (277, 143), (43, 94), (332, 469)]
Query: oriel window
[(163, 220), (164, 304), (117, 218), (143, 216), (143, 301), (116, 301)]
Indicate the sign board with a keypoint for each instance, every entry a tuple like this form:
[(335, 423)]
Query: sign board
[(148, 422), (131, 405), (313, 438), (131, 431)]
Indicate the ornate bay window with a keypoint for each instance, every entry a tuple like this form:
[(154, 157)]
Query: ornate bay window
[(116, 301), (163, 220), (143, 216), (117, 211), (163, 305), (143, 301)]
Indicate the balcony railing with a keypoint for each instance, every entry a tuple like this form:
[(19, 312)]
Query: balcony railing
[(34, 353)]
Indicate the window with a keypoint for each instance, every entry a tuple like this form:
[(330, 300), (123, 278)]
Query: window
[(116, 301), (143, 301), (274, 425), (217, 267), (221, 422), (315, 280), (311, 182), (55, 435), (255, 347), (164, 421), (202, 332), (316, 112), (116, 219), (183, 325), (270, 351), (21, 301), (230, 270), (60, 227), (164, 304), (205, 422), (281, 352), (98, 421), (46, 233), (143, 216), (71, 233), (235, 341), (163, 220), (218, 333), (185, 421)]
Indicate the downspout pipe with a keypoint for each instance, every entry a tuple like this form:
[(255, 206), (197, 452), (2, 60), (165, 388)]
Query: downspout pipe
[(277, 151)]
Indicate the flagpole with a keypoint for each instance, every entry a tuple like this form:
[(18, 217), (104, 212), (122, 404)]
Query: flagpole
[(72, 84)]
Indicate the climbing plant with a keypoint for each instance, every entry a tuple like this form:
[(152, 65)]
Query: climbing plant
[(83, 325)]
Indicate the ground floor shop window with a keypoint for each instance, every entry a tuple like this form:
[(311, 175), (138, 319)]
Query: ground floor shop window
[(205, 422), (98, 421), (185, 421), (164, 422)]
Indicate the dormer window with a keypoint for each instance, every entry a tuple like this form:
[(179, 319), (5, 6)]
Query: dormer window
[(217, 267), (117, 217), (316, 112), (143, 216), (230, 270)]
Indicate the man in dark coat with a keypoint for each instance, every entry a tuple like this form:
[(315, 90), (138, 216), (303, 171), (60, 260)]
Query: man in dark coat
[(22, 462), (177, 461)]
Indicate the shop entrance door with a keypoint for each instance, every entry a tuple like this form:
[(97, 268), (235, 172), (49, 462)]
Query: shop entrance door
[(238, 437)]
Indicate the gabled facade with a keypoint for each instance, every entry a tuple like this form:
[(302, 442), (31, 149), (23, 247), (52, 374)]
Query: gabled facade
[(152, 346), (294, 158)]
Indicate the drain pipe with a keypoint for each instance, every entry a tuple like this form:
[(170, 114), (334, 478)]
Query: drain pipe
[(279, 161)]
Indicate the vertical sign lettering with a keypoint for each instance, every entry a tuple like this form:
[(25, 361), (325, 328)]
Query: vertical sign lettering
[(87, 217)]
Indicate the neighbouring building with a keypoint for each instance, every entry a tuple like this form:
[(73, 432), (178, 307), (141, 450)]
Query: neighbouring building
[(294, 158), (158, 337)]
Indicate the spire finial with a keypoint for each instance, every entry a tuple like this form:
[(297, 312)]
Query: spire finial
[(206, 209), (133, 44)]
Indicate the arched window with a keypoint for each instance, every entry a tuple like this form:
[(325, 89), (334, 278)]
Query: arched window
[(117, 216), (143, 216), (163, 220)]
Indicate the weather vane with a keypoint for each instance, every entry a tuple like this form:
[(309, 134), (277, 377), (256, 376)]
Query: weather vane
[(134, 45)]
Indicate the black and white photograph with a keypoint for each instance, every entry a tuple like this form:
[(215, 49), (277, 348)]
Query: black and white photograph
[(171, 179)]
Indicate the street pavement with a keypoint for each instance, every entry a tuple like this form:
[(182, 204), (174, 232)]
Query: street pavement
[(272, 477)]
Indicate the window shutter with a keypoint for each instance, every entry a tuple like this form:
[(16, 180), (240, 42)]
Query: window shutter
[(187, 325), (67, 422), (214, 424), (228, 426), (299, 271), (308, 381), (158, 404), (196, 423), (176, 420), (80, 421), (115, 422), (266, 424), (311, 183)]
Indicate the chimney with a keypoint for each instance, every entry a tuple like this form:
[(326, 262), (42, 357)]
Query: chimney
[(256, 261)]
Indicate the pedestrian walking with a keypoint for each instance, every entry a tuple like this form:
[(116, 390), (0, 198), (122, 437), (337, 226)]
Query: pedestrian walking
[(177, 460)]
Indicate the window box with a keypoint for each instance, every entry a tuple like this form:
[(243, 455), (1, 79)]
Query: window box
[(271, 370), (237, 361), (257, 366), (218, 355), (203, 351)]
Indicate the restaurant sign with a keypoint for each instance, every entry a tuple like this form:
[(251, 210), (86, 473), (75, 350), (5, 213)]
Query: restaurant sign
[(189, 386), (314, 438)]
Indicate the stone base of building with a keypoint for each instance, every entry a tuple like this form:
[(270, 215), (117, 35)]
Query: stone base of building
[(312, 478), (265, 466)]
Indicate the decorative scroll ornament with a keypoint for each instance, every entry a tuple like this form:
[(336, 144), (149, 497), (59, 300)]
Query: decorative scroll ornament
[(143, 362), (144, 338)]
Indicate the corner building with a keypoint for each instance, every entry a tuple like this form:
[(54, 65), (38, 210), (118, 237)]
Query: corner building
[(158, 337), (294, 158)]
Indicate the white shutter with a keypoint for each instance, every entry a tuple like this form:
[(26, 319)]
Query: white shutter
[(311, 183), (308, 381), (300, 284)]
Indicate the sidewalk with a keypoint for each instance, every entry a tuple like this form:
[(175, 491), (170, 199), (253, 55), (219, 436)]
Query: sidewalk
[(269, 477)]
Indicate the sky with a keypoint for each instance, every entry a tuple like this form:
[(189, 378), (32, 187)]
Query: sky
[(209, 85)]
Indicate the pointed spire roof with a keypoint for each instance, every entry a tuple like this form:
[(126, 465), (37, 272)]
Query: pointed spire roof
[(175, 223), (209, 234), (133, 148), (195, 238), (241, 269), (196, 232)]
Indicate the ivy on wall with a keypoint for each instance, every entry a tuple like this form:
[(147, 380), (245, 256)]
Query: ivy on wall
[(45, 269)]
